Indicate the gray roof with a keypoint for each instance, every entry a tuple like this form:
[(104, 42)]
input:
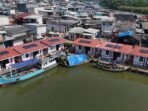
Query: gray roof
[(12, 30), (77, 30)]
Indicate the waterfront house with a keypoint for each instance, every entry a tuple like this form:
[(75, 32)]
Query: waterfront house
[(30, 50), (7, 57), (115, 52), (54, 44), (140, 56), (87, 46)]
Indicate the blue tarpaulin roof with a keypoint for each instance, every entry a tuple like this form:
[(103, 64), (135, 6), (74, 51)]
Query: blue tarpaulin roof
[(125, 34), (25, 63), (77, 59)]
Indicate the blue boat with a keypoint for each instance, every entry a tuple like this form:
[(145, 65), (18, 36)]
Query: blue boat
[(74, 60), (26, 70)]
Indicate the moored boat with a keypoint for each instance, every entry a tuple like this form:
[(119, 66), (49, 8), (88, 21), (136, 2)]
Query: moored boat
[(26, 70), (74, 60), (110, 66)]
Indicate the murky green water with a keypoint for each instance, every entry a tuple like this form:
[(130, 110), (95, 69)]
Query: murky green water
[(82, 88)]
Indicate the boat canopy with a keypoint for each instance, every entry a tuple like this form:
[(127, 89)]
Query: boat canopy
[(125, 34), (77, 59), (25, 63)]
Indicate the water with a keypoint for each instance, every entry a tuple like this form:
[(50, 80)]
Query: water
[(83, 88)]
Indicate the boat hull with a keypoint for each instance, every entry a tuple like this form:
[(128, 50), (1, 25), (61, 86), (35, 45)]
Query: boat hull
[(13, 80)]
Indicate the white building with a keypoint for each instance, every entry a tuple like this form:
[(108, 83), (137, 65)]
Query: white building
[(33, 19)]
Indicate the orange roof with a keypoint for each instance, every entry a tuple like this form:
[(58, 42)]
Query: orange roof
[(29, 47), (87, 42), (140, 51), (6, 53), (52, 41), (116, 47)]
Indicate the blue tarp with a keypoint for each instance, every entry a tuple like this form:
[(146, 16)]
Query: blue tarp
[(25, 63), (125, 34), (77, 59)]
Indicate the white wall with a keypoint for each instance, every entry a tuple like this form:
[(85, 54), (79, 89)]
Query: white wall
[(41, 30), (137, 62), (103, 54), (4, 20), (51, 49), (24, 58), (18, 42)]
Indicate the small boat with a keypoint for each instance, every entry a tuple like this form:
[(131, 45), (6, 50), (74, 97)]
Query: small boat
[(110, 66), (26, 70), (74, 60)]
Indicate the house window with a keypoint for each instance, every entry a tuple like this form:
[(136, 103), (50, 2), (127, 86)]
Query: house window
[(52, 28), (107, 52), (141, 59), (27, 55)]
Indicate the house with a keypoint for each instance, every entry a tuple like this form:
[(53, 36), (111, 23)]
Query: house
[(30, 50), (23, 52), (60, 25), (7, 57), (140, 56), (54, 44), (107, 25), (91, 33), (24, 7), (78, 32), (75, 33), (33, 19), (119, 53), (37, 29), (87, 46), (15, 35)]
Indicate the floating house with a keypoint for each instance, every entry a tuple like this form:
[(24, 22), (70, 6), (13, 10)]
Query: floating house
[(115, 52), (7, 57), (28, 51), (140, 56), (87, 46)]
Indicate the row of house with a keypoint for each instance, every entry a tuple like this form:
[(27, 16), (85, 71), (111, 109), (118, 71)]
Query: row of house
[(109, 51), (29, 50)]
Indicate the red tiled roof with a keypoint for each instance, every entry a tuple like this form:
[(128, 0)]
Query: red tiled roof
[(137, 51), (115, 47), (87, 42), (9, 52), (29, 47), (52, 41)]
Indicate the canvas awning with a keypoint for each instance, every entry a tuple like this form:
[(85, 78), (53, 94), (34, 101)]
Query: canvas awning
[(25, 63)]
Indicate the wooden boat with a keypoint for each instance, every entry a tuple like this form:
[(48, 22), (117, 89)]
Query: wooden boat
[(73, 60), (26, 70), (110, 66)]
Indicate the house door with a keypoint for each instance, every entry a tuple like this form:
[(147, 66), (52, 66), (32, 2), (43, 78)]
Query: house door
[(8, 43), (87, 49), (116, 55), (57, 47)]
